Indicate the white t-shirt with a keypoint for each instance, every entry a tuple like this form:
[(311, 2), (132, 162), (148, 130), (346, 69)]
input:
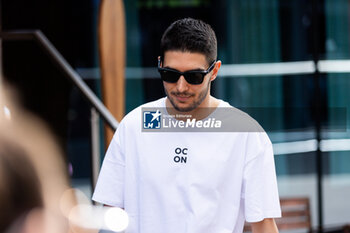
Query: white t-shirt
[(188, 182)]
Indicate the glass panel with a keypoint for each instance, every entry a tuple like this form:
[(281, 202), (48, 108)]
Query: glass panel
[(252, 32), (337, 29), (337, 157)]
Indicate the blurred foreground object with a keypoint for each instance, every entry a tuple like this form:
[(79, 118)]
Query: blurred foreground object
[(33, 174), (29, 133), (35, 192), (20, 190)]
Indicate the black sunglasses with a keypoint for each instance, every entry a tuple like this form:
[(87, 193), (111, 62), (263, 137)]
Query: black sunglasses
[(192, 77)]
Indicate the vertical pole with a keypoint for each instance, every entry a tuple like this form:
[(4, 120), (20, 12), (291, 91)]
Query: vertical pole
[(318, 112), (95, 147), (112, 50)]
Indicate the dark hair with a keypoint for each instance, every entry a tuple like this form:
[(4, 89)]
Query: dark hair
[(190, 35), (20, 189)]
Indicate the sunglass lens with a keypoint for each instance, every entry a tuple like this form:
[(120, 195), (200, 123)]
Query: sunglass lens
[(169, 76), (194, 78)]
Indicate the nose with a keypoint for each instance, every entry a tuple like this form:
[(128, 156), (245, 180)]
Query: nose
[(181, 84)]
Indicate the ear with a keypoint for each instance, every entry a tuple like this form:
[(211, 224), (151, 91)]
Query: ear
[(215, 70)]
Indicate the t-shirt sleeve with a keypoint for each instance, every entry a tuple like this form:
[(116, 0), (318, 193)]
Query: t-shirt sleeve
[(260, 192), (109, 189)]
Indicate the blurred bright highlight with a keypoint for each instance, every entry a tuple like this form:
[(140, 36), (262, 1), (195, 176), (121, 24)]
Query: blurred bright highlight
[(7, 113), (87, 216), (116, 219)]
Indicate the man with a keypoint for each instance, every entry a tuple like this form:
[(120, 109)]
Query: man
[(190, 182)]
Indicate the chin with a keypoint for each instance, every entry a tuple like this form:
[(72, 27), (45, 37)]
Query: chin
[(186, 108)]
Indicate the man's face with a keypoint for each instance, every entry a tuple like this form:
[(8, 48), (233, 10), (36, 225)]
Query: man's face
[(183, 96)]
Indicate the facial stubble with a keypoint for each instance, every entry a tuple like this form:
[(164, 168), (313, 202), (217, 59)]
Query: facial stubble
[(202, 95)]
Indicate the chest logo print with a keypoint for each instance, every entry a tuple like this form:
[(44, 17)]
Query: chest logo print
[(180, 155)]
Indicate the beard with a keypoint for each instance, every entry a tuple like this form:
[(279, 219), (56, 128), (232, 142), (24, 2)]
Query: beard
[(195, 103)]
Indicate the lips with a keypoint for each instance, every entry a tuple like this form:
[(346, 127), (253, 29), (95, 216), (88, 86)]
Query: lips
[(182, 97)]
